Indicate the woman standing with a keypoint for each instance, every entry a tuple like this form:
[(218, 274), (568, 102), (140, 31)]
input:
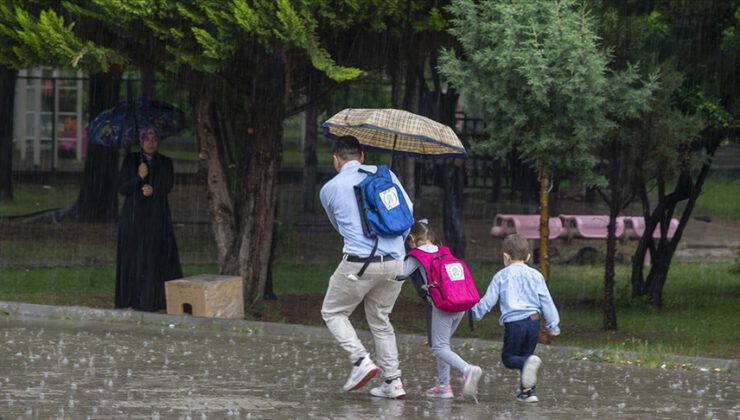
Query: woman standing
[(147, 251)]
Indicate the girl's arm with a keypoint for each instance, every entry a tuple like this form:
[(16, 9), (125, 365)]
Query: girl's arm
[(410, 264)]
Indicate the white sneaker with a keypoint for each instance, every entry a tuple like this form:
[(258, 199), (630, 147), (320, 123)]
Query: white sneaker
[(529, 371), (360, 375), (528, 396), (393, 390), (440, 391), (470, 381)]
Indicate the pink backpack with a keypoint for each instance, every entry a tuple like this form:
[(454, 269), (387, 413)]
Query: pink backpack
[(449, 283)]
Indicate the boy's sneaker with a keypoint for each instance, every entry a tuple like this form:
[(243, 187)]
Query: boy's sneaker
[(393, 390), (529, 371), (470, 381), (440, 391), (527, 395), (360, 374)]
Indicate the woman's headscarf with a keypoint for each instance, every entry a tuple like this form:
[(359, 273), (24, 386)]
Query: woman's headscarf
[(151, 130)]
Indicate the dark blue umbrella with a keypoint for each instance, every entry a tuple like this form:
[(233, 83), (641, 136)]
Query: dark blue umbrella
[(119, 126)]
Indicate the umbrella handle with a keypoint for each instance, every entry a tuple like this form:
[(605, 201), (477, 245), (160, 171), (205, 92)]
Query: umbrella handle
[(393, 154)]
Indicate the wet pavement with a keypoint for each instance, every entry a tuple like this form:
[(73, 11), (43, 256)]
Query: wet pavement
[(77, 369)]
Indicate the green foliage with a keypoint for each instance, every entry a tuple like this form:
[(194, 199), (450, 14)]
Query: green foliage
[(657, 23), (45, 39), (535, 72), (661, 36), (628, 96), (208, 36)]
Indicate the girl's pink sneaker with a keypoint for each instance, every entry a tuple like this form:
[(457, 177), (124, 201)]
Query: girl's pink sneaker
[(440, 391)]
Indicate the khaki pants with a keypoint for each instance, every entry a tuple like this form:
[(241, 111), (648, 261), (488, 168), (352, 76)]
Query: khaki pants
[(378, 289)]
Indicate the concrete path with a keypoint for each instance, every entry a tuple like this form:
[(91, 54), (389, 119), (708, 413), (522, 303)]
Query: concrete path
[(154, 366)]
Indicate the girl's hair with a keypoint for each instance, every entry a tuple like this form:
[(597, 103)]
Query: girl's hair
[(423, 232)]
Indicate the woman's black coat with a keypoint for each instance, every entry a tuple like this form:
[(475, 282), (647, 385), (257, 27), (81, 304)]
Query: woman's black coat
[(147, 251)]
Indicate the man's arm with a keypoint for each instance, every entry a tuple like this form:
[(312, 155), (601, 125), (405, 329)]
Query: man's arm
[(325, 197)]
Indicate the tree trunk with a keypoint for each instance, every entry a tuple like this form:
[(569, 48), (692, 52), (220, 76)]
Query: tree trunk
[(620, 195), (544, 180), (610, 307), (639, 287), (214, 164), (663, 256), (657, 277), (405, 166), (264, 158), (309, 162), (98, 198), (8, 78), (453, 207)]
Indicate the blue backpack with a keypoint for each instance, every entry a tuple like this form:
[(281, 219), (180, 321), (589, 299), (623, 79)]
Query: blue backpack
[(383, 207)]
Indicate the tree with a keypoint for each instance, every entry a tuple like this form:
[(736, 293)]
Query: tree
[(236, 58), (628, 98), (693, 46), (34, 36), (536, 74)]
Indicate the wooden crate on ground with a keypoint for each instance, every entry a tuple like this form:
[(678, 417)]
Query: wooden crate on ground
[(206, 295)]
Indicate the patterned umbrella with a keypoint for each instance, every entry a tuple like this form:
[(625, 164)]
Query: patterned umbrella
[(119, 126), (396, 131)]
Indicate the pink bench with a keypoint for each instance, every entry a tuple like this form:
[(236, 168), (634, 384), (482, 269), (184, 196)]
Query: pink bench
[(590, 226), (638, 226), (527, 225), (573, 226)]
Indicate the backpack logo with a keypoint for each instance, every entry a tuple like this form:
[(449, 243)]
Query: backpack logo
[(455, 271), (389, 198)]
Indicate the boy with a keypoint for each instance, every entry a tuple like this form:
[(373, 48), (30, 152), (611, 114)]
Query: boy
[(522, 294)]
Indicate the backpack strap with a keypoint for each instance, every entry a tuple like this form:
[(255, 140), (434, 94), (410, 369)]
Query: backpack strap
[(361, 205), (365, 227), (365, 171), (367, 261), (428, 318)]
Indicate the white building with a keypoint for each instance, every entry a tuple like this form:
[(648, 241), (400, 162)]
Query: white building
[(49, 116)]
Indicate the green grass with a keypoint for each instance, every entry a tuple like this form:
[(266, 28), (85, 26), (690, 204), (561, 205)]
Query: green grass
[(32, 198), (701, 304), (180, 154), (693, 322), (80, 286), (720, 197)]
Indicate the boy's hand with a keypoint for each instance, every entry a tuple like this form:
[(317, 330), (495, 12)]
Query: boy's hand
[(553, 334)]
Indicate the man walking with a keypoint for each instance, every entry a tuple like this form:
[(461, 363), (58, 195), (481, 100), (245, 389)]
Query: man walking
[(376, 287)]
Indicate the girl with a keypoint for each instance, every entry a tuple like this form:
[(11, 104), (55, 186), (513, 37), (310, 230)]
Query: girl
[(421, 238)]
